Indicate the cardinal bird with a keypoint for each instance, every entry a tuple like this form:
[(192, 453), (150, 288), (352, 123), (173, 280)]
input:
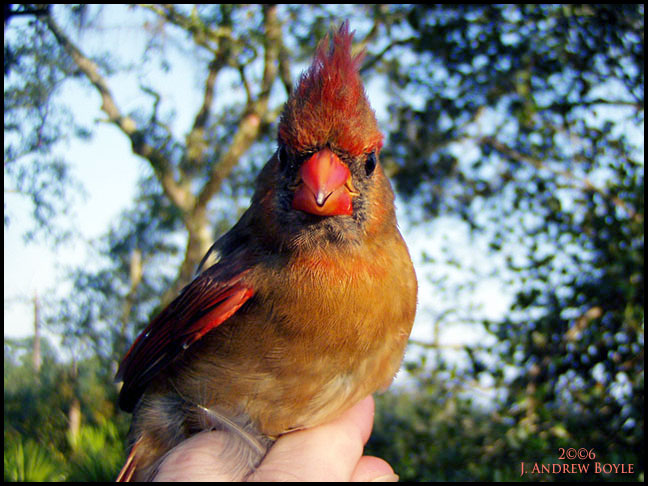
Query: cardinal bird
[(298, 312)]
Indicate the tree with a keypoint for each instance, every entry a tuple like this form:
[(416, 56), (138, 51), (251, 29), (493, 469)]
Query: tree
[(522, 123), (39, 444), (531, 131), (35, 122)]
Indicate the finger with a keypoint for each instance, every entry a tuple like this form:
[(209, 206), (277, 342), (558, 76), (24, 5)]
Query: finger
[(200, 458), (373, 469), (328, 452)]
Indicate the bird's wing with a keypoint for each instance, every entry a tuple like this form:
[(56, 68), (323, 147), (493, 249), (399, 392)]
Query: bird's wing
[(208, 301)]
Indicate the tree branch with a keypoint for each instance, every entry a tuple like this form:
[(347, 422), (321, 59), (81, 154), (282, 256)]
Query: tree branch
[(564, 105), (587, 184), (163, 169), (284, 68), (196, 141), (369, 63), (247, 131), (248, 128), (91, 70), (204, 36)]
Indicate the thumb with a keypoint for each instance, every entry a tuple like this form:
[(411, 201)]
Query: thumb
[(207, 456), (328, 452)]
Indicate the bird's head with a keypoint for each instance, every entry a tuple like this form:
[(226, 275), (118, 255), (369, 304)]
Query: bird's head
[(325, 181)]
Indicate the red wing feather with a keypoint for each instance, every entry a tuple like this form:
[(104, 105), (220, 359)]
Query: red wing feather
[(127, 471), (202, 305)]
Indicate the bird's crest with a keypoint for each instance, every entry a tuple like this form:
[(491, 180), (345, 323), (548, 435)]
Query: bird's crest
[(330, 104)]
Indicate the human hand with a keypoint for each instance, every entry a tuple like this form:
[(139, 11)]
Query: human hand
[(328, 452)]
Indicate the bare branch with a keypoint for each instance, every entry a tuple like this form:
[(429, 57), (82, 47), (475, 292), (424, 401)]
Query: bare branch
[(196, 141), (373, 33), (208, 37), (246, 84), (91, 70), (427, 345), (564, 105), (369, 63), (163, 170), (249, 127), (284, 68), (273, 41)]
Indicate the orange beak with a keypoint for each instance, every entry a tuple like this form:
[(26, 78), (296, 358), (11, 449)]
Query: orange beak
[(324, 186)]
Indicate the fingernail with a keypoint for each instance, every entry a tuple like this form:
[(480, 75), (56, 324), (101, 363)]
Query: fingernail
[(387, 478)]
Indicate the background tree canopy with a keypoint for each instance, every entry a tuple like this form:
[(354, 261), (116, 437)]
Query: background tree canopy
[(521, 124)]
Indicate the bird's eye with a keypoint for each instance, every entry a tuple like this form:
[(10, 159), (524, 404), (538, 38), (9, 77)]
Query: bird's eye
[(370, 164)]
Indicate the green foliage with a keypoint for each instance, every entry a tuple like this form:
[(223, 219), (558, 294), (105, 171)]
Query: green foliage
[(29, 461), (35, 404), (439, 436), (35, 124), (39, 445), (519, 135), (97, 454)]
